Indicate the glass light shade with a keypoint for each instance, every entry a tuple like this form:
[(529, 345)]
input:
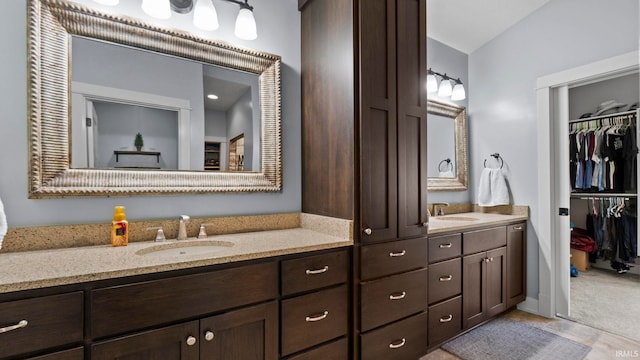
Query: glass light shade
[(246, 25), (205, 16), (108, 2), (458, 93), (159, 9), (432, 83), (445, 88)]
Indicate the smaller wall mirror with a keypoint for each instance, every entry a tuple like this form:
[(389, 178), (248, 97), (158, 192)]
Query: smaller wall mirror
[(446, 147)]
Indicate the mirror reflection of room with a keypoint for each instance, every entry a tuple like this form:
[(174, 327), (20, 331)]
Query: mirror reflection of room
[(181, 108)]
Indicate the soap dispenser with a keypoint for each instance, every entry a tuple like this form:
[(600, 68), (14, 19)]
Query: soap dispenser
[(119, 227)]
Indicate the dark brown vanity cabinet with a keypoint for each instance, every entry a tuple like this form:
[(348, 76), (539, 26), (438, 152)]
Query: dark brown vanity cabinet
[(474, 276)]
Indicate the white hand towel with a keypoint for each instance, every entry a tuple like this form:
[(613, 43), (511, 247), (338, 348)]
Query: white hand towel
[(446, 174), (3, 223), (493, 189)]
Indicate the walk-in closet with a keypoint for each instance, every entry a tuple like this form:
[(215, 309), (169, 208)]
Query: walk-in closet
[(603, 151)]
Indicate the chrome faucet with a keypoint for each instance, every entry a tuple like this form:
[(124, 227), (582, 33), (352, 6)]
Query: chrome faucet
[(182, 230), (439, 211)]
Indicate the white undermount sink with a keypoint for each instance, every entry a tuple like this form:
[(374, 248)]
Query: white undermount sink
[(455, 218), (185, 248)]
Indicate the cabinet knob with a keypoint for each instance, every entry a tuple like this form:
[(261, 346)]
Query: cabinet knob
[(209, 335), (517, 228), (191, 341), (425, 224), (398, 344), (486, 260), (367, 231), (491, 258)]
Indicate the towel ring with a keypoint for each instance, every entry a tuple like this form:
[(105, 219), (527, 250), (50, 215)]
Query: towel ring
[(497, 157), (447, 163)]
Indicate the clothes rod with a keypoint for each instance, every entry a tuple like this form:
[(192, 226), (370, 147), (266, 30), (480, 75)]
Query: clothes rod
[(602, 195), (628, 114)]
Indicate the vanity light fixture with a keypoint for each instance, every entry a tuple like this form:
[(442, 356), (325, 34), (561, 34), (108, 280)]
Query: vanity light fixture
[(456, 92), (205, 16)]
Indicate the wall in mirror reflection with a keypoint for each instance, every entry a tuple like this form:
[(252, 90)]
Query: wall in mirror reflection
[(441, 145), (165, 99)]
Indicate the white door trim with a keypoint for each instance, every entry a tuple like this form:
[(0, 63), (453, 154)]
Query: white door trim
[(551, 289)]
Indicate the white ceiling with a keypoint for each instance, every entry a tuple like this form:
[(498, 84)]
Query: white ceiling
[(466, 25)]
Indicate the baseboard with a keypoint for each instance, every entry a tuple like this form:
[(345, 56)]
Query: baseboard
[(530, 305)]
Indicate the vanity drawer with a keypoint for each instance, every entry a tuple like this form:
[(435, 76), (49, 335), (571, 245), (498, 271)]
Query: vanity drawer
[(445, 280), (483, 240), (314, 318), (314, 272), (50, 321), (402, 340), (445, 320), (392, 298), (444, 247), (73, 354), (392, 258), (120, 309), (337, 350)]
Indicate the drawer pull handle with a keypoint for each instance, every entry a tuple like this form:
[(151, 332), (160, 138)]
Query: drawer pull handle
[(398, 254), (209, 335), (445, 246), (19, 325), (318, 271), (517, 228), (446, 278), (317, 318), (191, 341), (398, 345), (399, 296), (486, 260), (446, 319)]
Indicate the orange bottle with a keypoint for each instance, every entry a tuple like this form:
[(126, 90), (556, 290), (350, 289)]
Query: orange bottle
[(119, 227)]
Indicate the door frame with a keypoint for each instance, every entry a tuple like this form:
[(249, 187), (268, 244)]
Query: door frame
[(552, 108)]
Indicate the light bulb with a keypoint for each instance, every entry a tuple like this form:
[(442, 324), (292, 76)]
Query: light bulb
[(246, 25), (432, 83), (108, 2), (445, 88), (458, 93), (159, 9), (205, 16)]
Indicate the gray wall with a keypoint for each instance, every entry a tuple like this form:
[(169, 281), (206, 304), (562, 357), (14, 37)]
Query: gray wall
[(444, 59), (278, 33), (585, 99), (215, 123), (502, 76), (119, 123)]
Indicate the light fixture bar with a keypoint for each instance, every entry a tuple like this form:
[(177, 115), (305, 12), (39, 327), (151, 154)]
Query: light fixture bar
[(446, 89)]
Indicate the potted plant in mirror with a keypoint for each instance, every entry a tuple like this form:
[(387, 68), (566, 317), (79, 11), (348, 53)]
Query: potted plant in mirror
[(138, 142)]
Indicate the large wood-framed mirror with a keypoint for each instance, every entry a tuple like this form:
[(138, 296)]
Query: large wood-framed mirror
[(446, 147), (64, 163)]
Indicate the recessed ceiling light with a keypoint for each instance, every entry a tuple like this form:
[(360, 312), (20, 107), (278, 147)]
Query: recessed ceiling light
[(212, 97)]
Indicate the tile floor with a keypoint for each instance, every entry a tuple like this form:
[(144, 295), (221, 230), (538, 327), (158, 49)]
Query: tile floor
[(604, 345)]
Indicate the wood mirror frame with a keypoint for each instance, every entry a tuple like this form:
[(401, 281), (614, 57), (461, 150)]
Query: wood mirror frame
[(51, 23), (458, 114)]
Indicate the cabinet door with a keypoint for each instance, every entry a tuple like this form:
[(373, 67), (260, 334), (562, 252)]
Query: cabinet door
[(179, 342), (516, 264), (412, 122), (473, 289), (496, 276), (246, 334), (378, 121)]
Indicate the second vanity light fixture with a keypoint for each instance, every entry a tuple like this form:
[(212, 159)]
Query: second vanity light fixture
[(445, 89), (205, 16)]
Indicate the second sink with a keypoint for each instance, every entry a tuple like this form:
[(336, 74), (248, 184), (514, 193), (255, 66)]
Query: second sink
[(185, 248)]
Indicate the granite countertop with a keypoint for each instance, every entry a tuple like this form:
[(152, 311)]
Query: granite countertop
[(44, 268), (470, 220)]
